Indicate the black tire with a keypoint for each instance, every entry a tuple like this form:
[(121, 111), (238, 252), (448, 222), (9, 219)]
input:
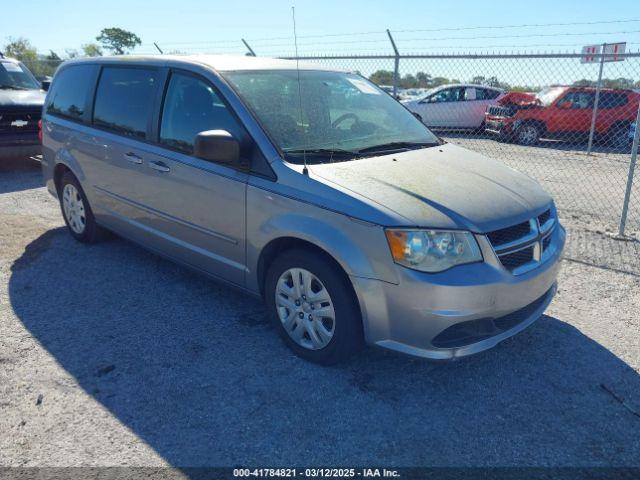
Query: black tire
[(347, 337), (91, 232), (528, 134), (618, 137)]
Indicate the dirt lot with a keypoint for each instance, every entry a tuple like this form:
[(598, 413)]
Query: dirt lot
[(112, 356)]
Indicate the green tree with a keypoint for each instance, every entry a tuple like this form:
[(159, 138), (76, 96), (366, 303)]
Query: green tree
[(437, 81), (382, 77), (92, 50), (71, 53), (21, 49), (117, 40), (424, 80), (53, 57), (408, 81)]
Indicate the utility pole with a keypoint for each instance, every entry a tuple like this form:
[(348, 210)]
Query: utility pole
[(251, 52), (396, 68), (632, 167), (596, 100)]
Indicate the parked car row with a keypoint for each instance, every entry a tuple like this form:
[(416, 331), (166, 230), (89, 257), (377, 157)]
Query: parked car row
[(560, 112)]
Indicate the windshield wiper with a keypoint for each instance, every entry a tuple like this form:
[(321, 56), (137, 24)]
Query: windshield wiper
[(321, 152), (395, 146)]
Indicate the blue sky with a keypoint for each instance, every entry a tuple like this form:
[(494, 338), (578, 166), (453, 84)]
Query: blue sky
[(190, 25), (357, 26)]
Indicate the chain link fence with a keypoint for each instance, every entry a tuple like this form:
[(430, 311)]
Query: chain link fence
[(565, 123), (537, 113)]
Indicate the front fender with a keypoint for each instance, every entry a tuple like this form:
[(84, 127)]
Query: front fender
[(359, 247)]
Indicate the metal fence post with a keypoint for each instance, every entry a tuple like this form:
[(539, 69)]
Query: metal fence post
[(632, 167), (596, 100), (396, 66), (251, 52)]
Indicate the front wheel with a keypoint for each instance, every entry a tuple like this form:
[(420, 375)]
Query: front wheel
[(313, 307), (528, 134)]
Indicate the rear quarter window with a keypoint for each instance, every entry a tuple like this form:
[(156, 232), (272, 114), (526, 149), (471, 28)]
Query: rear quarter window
[(124, 99), (71, 90), (612, 100)]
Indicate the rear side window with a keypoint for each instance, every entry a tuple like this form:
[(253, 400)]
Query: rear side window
[(192, 106), (124, 100), (612, 100), (486, 94), (70, 91)]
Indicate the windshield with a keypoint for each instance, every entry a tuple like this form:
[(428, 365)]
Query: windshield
[(341, 113), (547, 96), (16, 75)]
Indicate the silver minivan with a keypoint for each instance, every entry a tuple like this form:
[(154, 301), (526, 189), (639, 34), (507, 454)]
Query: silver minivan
[(309, 187)]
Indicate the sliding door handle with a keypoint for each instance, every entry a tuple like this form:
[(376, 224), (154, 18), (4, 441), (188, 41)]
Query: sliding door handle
[(133, 158), (159, 166)]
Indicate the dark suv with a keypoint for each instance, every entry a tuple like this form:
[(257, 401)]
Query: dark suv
[(21, 100)]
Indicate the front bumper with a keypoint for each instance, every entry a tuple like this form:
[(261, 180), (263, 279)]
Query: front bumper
[(459, 312), (498, 125), (22, 145)]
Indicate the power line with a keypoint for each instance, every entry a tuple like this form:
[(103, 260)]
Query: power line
[(349, 34), (381, 33)]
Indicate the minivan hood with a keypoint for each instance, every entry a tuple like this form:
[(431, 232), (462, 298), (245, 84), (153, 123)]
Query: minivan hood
[(22, 98), (441, 187)]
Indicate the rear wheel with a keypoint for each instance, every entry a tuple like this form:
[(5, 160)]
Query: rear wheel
[(528, 134), (618, 137), (313, 306), (76, 210)]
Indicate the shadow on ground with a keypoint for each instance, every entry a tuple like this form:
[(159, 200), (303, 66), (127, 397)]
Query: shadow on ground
[(196, 371), (18, 180)]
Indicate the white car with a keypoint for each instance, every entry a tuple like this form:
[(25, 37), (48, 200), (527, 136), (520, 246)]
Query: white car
[(454, 106)]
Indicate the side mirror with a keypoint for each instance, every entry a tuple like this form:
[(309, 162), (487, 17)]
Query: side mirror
[(217, 146), (565, 105), (45, 84)]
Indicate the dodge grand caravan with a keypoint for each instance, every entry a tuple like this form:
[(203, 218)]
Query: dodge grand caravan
[(310, 188)]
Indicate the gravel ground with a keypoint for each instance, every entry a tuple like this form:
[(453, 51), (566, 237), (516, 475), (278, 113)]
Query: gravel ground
[(110, 355)]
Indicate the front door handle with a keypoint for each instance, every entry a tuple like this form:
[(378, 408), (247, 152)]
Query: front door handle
[(159, 166), (133, 158)]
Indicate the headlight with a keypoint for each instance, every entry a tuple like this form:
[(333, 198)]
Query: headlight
[(432, 250)]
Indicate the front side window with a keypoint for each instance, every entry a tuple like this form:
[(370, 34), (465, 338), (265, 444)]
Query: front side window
[(329, 111), (124, 100), (68, 94), (192, 106), (448, 95), (548, 95), (578, 99), (486, 93), (15, 76)]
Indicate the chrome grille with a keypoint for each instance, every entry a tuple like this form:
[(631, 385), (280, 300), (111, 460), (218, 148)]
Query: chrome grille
[(521, 247), (511, 261), (544, 217), (509, 234), (500, 111)]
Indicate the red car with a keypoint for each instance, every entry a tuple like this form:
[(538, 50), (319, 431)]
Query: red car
[(563, 112)]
